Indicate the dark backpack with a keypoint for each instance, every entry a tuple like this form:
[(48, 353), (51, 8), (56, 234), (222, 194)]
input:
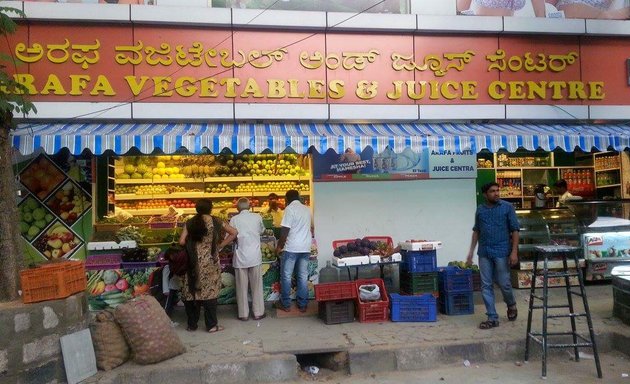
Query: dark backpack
[(177, 260)]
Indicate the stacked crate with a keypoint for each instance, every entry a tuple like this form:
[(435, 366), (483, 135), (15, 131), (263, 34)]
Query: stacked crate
[(456, 291), (336, 301), (418, 273), (418, 286)]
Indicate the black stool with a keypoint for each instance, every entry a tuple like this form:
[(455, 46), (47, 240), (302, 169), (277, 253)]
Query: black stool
[(543, 338)]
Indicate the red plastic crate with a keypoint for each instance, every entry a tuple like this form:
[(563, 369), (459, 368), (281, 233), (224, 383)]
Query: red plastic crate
[(385, 239), (53, 281), (374, 311), (335, 291)]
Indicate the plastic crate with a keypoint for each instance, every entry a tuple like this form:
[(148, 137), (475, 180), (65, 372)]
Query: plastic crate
[(414, 308), (419, 283), (100, 262), (337, 312), (373, 311), (138, 264), (53, 281), (418, 261), (453, 279), (458, 303), (385, 239), (335, 291)]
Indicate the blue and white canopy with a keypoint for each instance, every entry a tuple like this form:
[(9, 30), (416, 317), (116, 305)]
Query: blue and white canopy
[(215, 137)]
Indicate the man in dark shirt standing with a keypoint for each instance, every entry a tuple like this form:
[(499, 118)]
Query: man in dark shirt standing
[(496, 230)]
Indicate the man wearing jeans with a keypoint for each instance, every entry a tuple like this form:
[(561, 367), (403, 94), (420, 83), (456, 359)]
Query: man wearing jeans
[(295, 239), (496, 230)]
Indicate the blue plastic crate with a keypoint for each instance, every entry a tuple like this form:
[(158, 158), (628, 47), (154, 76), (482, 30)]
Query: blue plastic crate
[(454, 279), (413, 308), (419, 261), (458, 303)]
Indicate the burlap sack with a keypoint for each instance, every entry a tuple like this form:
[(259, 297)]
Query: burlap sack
[(110, 347), (148, 330)]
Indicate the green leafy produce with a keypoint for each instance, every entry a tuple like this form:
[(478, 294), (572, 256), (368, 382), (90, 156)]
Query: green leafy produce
[(227, 295)]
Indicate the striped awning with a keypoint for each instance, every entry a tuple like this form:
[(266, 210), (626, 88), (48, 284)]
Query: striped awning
[(216, 137)]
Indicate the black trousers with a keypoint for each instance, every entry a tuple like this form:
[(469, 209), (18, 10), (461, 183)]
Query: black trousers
[(193, 310)]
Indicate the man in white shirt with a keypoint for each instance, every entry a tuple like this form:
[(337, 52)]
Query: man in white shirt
[(563, 191), (295, 240), (247, 260)]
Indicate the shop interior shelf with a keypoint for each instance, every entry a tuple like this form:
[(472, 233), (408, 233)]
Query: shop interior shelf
[(157, 211), (607, 169), (609, 186), (158, 181)]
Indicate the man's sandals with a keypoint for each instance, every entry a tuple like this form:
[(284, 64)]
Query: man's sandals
[(488, 324), (512, 313)]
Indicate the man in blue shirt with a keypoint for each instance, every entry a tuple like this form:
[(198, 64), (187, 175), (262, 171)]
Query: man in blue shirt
[(496, 230)]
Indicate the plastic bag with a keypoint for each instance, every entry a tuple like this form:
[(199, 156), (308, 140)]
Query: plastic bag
[(369, 292)]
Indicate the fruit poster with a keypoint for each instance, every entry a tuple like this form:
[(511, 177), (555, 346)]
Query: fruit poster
[(56, 206)]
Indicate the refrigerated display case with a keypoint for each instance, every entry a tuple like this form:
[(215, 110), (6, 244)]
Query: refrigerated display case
[(605, 235), (543, 227)]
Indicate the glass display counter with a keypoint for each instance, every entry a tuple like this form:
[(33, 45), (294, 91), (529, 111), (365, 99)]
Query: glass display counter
[(557, 226), (605, 235)]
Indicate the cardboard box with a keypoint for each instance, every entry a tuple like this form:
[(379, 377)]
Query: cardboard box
[(350, 261), (420, 245), (522, 279)]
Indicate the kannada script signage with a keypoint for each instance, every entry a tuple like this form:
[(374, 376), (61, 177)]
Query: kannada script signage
[(149, 64)]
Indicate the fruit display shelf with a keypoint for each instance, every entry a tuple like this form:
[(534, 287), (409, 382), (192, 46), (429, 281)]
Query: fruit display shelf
[(226, 179), (199, 195), (186, 211)]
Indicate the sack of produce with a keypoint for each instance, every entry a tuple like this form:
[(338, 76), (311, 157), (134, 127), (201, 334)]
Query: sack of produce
[(110, 347), (369, 292), (148, 330)]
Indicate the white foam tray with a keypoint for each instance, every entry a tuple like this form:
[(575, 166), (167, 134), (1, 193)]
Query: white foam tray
[(420, 246), (105, 245)]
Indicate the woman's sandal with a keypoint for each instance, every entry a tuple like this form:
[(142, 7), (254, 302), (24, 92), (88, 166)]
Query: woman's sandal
[(216, 328), (488, 324), (512, 313)]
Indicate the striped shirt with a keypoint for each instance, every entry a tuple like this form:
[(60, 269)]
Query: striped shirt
[(495, 223)]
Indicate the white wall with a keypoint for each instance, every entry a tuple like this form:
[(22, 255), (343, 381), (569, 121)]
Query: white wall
[(427, 209)]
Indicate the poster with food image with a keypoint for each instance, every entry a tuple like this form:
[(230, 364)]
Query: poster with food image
[(558, 9), (367, 165), (607, 245), (57, 241), (34, 217), (69, 202), (41, 177), (109, 288)]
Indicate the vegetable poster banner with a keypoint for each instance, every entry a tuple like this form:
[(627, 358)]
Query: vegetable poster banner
[(55, 206)]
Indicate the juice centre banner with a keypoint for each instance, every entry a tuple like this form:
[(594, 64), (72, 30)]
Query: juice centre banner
[(388, 165), (144, 64)]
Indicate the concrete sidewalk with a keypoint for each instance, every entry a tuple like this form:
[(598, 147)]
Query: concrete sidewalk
[(265, 351)]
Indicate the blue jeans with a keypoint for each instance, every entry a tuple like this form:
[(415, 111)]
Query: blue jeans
[(495, 269), (288, 263)]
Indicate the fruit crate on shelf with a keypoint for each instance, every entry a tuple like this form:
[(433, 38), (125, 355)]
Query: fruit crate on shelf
[(373, 311), (458, 303), (53, 281), (335, 291), (419, 283), (336, 312), (383, 239), (414, 308), (454, 279), (419, 261), (101, 262)]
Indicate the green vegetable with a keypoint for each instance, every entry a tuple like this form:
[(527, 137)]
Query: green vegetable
[(228, 280), (110, 277), (40, 224), (48, 217), (32, 204), (33, 231), (24, 227), (227, 295), (27, 217)]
